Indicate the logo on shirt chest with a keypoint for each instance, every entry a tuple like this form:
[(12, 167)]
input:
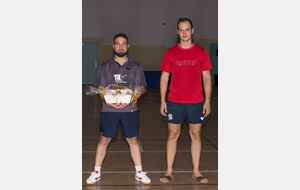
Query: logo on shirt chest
[(186, 63), (119, 78)]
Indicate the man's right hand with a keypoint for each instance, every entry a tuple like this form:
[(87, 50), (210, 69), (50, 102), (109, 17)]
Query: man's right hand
[(111, 105), (163, 108)]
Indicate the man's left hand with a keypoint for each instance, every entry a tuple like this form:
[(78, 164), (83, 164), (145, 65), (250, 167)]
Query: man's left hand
[(122, 105), (206, 109)]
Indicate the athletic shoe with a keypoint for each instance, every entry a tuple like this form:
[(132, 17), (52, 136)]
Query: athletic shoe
[(142, 177), (95, 176)]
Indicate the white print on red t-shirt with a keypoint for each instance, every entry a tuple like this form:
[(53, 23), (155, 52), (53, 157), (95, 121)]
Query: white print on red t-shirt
[(119, 78), (186, 63)]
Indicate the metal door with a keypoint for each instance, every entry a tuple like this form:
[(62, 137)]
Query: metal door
[(89, 62)]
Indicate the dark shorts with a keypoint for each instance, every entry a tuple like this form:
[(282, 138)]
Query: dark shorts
[(129, 121), (176, 112)]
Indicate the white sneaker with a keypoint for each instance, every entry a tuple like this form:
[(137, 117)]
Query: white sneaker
[(142, 177), (95, 176)]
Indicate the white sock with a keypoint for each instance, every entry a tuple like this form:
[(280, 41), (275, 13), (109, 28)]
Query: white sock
[(138, 169), (98, 169)]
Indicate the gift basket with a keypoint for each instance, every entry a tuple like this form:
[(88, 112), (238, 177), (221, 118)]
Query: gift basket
[(116, 93)]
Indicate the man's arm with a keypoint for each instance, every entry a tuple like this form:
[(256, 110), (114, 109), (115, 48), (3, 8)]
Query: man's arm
[(101, 95), (164, 79), (207, 90), (137, 96)]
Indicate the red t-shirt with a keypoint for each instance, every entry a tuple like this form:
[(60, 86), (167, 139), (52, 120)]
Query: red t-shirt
[(186, 66)]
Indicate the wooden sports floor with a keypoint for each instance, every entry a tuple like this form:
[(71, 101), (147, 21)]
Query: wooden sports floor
[(118, 170)]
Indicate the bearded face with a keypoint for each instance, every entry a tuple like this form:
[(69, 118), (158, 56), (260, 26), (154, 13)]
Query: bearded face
[(120, 46), (120, 54)]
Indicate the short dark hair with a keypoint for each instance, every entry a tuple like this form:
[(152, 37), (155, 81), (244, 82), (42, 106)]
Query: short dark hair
[(183, 20), (120, 35)]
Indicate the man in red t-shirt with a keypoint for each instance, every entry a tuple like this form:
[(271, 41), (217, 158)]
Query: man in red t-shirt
[(190, 67)]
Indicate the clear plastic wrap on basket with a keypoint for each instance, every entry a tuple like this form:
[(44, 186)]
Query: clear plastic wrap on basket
[(116, 93), (92, 90)]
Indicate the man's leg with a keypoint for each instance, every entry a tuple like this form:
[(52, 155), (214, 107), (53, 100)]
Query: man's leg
[(137, 160), (196, 146), (171, 147), (135, 151), (100, 155), (101, 150)]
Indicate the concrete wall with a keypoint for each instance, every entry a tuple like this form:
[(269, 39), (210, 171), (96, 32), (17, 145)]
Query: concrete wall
[(143, 20)]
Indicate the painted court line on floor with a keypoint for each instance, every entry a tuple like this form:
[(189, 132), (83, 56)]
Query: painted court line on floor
[(119, 172), (150, 151), (140, 146)]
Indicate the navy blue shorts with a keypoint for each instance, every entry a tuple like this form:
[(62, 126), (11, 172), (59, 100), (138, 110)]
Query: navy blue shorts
[(109, 123), (176, 112)]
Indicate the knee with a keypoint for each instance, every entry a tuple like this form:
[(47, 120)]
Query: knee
[(132, 141), (104, 141), (195, 135), (174, 135)]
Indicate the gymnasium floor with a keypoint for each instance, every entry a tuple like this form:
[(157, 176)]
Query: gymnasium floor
[(118, 169)]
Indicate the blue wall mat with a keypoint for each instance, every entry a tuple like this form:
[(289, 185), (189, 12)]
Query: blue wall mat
[(152, 78)]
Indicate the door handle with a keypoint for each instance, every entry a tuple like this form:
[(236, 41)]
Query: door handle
[(96, 65)]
